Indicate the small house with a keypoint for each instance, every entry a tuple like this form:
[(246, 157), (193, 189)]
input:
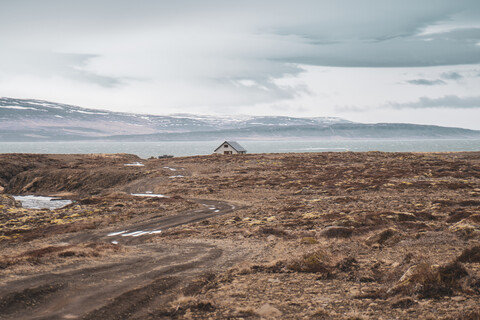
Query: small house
[(230, 147)]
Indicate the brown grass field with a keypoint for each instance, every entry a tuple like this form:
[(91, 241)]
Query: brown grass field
[(263, 236)]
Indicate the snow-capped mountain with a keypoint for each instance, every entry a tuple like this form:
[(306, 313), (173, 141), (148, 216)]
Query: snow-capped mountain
[(37, 120)]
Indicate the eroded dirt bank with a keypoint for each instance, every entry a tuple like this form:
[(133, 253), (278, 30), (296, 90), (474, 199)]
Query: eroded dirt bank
[(327, 236)]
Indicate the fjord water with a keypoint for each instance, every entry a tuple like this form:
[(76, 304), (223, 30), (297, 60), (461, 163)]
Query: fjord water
[(190, 148)]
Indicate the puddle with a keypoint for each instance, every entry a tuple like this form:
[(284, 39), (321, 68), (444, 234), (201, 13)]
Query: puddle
[(149, 195), (115, 233), (38, 202), (135, 164)]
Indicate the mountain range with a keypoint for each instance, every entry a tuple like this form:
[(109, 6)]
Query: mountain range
[(38, 120)]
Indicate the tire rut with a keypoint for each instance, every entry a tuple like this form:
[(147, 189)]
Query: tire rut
[(116, 290)]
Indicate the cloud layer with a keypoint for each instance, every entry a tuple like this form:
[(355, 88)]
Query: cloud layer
[(229, 56), (450, 101)]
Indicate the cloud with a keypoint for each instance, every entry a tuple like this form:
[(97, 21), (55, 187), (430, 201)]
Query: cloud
[(219, 53), (451, 75), (49, 64), (449, 101), (350, 108), (426, 82)]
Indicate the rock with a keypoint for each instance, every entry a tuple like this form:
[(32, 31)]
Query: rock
[(268, 311), (271, 238), (336, 232)]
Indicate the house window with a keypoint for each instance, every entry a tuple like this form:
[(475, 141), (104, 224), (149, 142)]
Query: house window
[(227, 152), (225, 146)]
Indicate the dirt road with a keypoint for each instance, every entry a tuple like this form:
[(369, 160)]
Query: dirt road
[(132, 287)]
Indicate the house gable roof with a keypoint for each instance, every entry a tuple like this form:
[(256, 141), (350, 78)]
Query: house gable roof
[(235, 145)]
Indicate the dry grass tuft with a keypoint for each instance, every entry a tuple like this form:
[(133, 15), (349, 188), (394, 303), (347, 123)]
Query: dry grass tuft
[(382, 237), (248, 313), (183, 304), (337, 232), (348, 264), (321, 314), (309, 240), (472, 315), (431, 281), (313, 262), (354, 315), (470, 255), (273, 231)]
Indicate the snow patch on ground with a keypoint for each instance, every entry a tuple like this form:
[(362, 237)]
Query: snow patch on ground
[(38, 202), (132, 234)]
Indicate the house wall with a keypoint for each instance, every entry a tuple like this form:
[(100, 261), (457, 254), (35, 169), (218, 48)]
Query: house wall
[(222, 149)]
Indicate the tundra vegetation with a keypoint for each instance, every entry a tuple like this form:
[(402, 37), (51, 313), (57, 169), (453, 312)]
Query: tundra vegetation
[(316, 236)]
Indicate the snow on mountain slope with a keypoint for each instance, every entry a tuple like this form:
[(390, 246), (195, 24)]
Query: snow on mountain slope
[(48, 114), (32, 120)]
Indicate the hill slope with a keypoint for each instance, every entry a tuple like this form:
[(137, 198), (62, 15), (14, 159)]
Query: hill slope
[(37, 120)]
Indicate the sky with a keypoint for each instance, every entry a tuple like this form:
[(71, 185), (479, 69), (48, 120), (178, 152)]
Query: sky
[(412, 61)]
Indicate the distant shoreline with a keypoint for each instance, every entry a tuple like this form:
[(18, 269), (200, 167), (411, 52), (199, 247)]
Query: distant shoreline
[(191, 148)]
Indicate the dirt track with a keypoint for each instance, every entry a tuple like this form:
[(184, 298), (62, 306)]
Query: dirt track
[(123, 289)]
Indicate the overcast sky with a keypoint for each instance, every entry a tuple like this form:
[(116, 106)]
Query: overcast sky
[(415, 61)]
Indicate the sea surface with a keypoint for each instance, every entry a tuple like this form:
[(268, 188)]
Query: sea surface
[(190, 148)]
